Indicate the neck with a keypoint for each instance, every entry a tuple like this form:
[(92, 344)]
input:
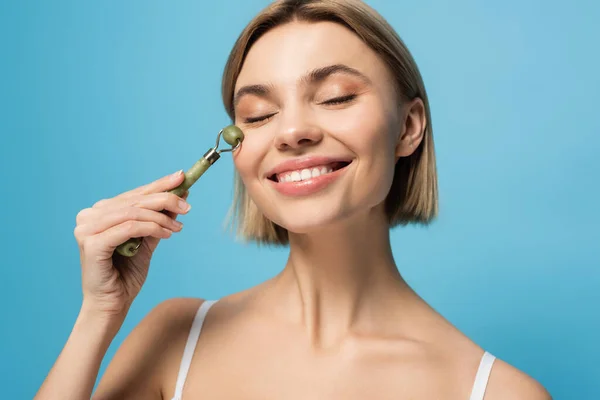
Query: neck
[(337, 278)]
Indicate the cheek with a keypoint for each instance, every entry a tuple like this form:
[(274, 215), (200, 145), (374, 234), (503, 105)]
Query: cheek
[(247, 159), (369, 132), (377, 166), (247, 162)]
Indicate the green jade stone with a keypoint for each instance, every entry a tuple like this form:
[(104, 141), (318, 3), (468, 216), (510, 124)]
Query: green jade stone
[(232, 134)]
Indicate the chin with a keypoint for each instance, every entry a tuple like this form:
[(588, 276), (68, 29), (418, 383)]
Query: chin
[(307, 220)]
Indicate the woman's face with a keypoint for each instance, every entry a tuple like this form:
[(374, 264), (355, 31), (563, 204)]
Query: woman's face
[(322, 126)]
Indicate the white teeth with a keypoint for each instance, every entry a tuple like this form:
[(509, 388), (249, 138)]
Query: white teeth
[(304, 174)]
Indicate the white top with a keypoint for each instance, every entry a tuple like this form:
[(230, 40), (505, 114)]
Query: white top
[(190, 346), (477, 393), (482, 377)]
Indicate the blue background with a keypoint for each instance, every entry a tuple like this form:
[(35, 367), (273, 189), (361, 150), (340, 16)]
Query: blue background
[(100, 97)]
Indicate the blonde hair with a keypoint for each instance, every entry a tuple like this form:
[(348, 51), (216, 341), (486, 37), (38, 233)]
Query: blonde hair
[(413, 196)]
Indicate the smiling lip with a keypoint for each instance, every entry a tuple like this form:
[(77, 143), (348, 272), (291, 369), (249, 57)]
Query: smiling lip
[(305, 163), (311, 185)]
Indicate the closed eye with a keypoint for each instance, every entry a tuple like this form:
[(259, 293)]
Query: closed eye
[(340, 100), (251, 120), (334, 101)]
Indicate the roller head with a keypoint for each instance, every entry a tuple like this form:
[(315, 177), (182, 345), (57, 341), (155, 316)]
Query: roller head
[(232, 134)]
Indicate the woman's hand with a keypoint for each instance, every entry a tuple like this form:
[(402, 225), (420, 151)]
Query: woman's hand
[(110, 282)]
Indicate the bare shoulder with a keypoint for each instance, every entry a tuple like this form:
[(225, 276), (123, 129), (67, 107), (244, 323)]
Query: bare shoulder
[(172, 316), (508, 382), (149, 352)]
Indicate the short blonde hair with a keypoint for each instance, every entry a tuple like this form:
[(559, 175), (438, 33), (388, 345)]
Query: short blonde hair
[(413, 197)]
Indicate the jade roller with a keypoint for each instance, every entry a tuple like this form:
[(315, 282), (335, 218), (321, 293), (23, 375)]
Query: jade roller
[(233, 136)]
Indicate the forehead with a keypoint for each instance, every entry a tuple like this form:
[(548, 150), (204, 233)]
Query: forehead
[(287, 52)]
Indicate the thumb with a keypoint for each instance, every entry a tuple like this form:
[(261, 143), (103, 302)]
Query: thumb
[(153, 242), (172, 214)]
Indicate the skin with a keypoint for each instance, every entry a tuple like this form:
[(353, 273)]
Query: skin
[(339, 321)]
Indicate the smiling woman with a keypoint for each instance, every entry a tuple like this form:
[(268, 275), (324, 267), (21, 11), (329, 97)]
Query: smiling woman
[(344, 85), (338, 150)]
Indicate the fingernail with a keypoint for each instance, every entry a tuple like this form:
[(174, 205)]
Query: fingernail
[(184, 206), (176, 174)]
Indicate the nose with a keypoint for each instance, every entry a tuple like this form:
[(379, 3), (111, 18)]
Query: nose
[(296, 132)]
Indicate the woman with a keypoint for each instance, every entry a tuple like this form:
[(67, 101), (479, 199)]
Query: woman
[(338, 150)]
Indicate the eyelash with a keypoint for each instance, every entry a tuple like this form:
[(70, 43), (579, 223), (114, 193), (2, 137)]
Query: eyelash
[(334, 101), (340, 100), (252, 120)]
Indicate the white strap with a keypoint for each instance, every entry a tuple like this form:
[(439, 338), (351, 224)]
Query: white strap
[(482, 377), (190, 346)]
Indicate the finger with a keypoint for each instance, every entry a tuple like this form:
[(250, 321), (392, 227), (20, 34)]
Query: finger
[(103, 221), (155, 201), (163, 184), (172, 214), (108, 240), (164, 202), (84, 215), (168, 204)]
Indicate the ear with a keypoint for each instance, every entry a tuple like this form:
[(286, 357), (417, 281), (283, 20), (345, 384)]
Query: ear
[(412, 129)]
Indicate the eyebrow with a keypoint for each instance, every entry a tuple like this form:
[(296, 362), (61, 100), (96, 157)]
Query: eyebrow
[(315, 76)]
